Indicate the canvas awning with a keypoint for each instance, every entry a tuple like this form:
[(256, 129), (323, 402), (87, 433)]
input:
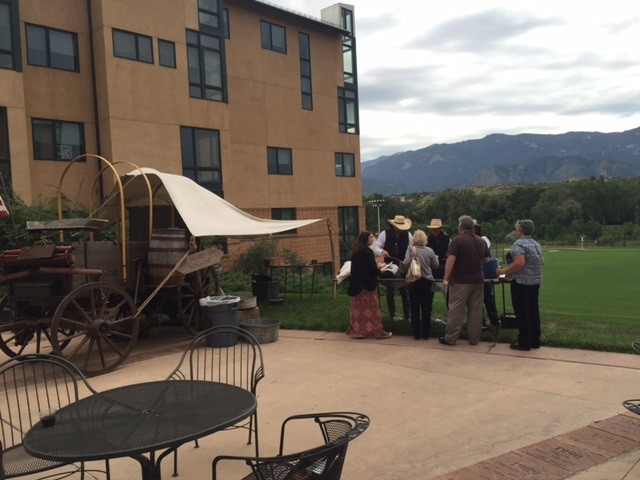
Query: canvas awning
[(204, 212)]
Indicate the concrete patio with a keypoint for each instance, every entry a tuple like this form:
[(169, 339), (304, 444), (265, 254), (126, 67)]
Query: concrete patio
[(434, 409)]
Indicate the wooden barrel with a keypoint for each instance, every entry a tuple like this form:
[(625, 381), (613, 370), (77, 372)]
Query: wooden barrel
[(166, 248)]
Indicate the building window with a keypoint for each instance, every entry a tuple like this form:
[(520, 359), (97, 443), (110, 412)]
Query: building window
[(305, 71), (279, 161), (347, 110), (345, 165), (348, 229), (206, 72), (9, 35), (348, 48), (48, 47), (284, 214), (5, 164), (201, 157), (132, 46), (274, 37), (56, 140), (166, 53), (225, 23), (209, 14)]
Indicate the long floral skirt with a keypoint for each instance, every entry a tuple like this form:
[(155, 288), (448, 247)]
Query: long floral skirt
[(366, 318)]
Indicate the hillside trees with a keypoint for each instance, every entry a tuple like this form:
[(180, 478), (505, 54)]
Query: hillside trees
[(602, 212)]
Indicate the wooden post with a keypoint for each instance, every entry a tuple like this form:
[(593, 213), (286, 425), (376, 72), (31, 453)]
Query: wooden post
[(333, 258)]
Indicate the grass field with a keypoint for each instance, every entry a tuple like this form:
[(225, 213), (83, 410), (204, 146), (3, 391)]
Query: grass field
[(589, 299)]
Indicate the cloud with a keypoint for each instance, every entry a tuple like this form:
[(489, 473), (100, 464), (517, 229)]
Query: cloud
[(482, 31)]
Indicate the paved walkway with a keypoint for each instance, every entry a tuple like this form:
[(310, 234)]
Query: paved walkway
[(434, 409)]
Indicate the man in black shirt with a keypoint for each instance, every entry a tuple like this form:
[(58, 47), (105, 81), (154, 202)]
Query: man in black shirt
[(438, 241)]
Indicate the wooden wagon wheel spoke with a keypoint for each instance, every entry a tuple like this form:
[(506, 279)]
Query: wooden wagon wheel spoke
[(87, 356), (121, 320), (78, 347), (119, 335), (73, 323), (102, 360), (112, 345), (81, 311), (102, 312)]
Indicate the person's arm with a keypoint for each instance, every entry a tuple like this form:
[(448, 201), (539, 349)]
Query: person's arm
[(378, 246), (448, 268), (515, 267), (435, 263), (407, 257)]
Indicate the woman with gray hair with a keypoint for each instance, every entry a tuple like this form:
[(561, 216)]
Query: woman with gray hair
[(420, 294), (526, 272)]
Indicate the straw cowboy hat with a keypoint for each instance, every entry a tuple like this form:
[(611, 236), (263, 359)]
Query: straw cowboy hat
[(475, 223), (400, 222), (435, 223)]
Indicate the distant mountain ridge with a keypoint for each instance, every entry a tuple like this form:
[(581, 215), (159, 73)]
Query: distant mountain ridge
[(500, 158)]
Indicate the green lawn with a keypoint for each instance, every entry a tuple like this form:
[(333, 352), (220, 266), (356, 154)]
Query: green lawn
[(588, 299)]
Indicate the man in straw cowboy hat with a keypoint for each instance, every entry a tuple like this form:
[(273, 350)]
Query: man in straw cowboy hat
[(392, 244), (438, 241)]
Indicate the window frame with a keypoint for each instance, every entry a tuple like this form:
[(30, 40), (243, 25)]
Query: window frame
[(4, 133), (278, 151), (305, 59), (276, 214), (269, 45), (340, 161), (47, 41), (344, 101), (226, 26), (55, 142), (173, 49), (14, 52), (347, 215), (137, 37), (201, 51), (205, 27), (196, 167)]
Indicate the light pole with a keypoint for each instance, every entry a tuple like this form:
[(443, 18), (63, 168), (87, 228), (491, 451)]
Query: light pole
[(376, 203)]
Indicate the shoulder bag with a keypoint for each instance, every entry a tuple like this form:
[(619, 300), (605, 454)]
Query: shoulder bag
[(414, 273)]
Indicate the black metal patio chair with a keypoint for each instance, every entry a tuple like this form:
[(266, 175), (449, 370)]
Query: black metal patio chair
[(636, 345), (30, 384), (238, 362), (324, 462)]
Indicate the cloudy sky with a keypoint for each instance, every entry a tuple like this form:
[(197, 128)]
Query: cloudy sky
[(444, 71)]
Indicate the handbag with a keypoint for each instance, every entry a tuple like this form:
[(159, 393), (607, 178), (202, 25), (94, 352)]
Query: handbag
[(414, 273)]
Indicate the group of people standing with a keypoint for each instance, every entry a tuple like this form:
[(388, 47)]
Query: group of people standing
[(452, 266)]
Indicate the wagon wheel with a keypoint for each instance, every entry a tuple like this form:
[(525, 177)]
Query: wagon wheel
[(15, 336), (196, 286), (102, 316)]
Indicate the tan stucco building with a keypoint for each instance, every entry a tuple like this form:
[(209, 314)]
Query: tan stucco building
[(255, 102)]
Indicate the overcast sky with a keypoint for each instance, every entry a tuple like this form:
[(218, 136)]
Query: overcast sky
[(444, 71)]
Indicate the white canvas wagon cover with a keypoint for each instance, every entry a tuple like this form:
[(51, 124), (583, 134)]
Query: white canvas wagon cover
[(204, 212)]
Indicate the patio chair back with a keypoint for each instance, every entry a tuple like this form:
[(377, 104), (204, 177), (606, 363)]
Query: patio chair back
[(239, 364), (324, 462), (31, 384)]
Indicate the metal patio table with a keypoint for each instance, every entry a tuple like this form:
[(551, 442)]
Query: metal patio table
[(140, 419)]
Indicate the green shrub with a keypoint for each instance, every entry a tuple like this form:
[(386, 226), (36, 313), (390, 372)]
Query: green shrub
[(254, 260)]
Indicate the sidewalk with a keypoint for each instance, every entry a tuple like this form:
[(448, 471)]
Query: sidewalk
[(434, 409)]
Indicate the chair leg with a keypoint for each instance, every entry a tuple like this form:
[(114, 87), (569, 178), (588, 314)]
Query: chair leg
[(254, 422), (197, 444), (107, 469), (175, 463)]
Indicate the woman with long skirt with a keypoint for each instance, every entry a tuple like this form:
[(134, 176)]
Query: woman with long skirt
[(366, 317)]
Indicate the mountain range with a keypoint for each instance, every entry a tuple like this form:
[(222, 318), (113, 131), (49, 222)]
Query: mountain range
[(504, 159)]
